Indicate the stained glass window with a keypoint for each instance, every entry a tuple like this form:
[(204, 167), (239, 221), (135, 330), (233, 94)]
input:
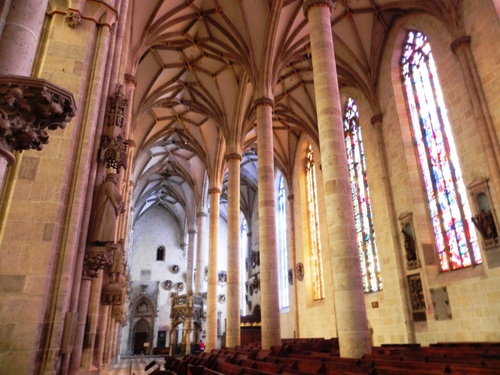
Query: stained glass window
[(282, 246), (313, 214), (455, 238), (363, 216)]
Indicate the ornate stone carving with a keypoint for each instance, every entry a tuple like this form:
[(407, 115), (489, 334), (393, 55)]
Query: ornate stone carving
[(95, 259), (113, 152), (113, 148), (29, 107), (118, 313), (113, 294), (73, 18), (117, 108)]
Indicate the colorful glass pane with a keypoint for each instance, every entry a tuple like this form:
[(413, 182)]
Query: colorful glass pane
[(282, 246), (360, 193), (312, 202), (450, 214)]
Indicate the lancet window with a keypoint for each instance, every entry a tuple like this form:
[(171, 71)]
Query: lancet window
[(360, 193), (315, 238), (455, 238)]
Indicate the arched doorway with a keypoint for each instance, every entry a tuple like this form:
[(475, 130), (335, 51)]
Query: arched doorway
[(141, 337)]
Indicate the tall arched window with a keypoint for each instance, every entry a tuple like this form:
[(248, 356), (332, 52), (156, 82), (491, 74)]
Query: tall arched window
[(456, 241), (282, 245), (243, 261), (313, 213), (363, 216)]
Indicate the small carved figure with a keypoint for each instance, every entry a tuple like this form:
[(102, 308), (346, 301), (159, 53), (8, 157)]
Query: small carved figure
[(107, 206), (117, 267), (485, 224), (411, 250)]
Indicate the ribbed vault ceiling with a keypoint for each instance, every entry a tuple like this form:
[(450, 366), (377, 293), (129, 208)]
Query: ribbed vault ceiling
[(199, 66)]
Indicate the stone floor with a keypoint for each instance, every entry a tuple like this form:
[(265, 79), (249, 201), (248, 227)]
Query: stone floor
[(133, 365)]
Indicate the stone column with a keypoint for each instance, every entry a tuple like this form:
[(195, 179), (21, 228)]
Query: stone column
[(233, 250), (354, 336), (190, 259), (101, 335), (377, 122), (201, 252), (21, 35), (76, 356), (93, 318), (461, 48), (270, 312), (211, 325)]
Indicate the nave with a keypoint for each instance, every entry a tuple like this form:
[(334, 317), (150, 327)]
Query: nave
[(321, 356)]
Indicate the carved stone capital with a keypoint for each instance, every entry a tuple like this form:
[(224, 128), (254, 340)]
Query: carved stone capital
[(308, 4), (113, 294), (129, 78), (377, 119), (119, 314), (95, 259), (214, 191), (264, 101), (233, 155), (460, 42), (28, 108)]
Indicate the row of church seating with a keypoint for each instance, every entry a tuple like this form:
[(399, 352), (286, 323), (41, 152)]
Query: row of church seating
[(321, 356)]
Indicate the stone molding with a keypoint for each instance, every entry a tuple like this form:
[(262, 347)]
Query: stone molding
[(264, 101), (28, 108), (308, 4), (376, 119), (233, 155), (129, 78), (460, 42), (214, 191)]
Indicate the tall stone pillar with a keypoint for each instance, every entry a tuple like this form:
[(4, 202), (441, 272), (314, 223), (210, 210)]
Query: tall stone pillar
[(102, 327), (76, 356), (211, 322), (461, 48), (93, 319), (201, 251), (233, 250), (270, 312), (21, 35), (190, 258), (354, 337)]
